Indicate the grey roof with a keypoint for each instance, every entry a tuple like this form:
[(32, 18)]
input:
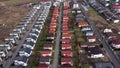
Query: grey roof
[(29, 43), (22, 58), (3, 48), (16, 66), (93, 50), (35, 32), (32, 36), (28, 50), (103, 65), (44, 59)]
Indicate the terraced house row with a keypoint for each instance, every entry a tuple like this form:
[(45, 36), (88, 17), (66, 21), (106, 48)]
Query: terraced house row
[(47, 51), (66, 48)]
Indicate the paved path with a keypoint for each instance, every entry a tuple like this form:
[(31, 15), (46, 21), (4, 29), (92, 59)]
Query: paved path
[(57, 44)]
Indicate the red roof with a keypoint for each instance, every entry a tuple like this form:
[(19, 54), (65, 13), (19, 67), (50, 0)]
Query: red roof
[(65, 35), (42, 65), (66, 52), (46, 51), (51, 31), (117, 41), (65, 11), (65, 40), (91, 37), (115, 5), (66, 59), (66, 45), (65, 7), (66, 66), (82, 23), (64, 31)]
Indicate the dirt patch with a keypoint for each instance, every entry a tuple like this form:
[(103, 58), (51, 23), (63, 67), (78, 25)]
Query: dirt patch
[(11, 13)]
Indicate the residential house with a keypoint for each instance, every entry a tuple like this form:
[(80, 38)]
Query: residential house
[(43, 65), (30, 45), (66, 66), (66, 46), (3, 51), (31, 38), (86, 28), (94, 52), (66, 60), (46, 52), (65, 41), (21, 60), (48, 46), (115, 43), (66, 36), (91, 38), (89, 33), (25, 52), (103, 65), (88, 44), (45, 60), (66, 52), (81, 24)]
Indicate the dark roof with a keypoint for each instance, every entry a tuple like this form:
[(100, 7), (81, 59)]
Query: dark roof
[(16, 66), (32, 36), (29, 43), (44, 59), (22, 58), (28, 50), (103, 65), (88, 26), (93, 50), (35, 32)]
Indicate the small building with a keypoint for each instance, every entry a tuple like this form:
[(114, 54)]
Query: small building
[(65, 41), (88, 44), (66, 52), (86, 28), (45, 60), (3, 51), (25, 52), (48, 46), (66, 60), (21, 60), (91, 38), (94, 52), (66, 66), (43, 65), (66, 46), (30, 45), (66, 36), (31, 38), (46, 52), (81, 24), (89, 33), (103, 65), (115, 43)]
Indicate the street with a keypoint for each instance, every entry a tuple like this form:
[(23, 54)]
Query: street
[(57, 44)]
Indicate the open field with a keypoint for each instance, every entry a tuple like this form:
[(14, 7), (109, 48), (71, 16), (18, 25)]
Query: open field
[(11, 12), (100, 22)]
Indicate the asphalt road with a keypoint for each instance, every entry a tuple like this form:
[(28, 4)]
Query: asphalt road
[(8, 63), (57, 44), (106, 46)]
